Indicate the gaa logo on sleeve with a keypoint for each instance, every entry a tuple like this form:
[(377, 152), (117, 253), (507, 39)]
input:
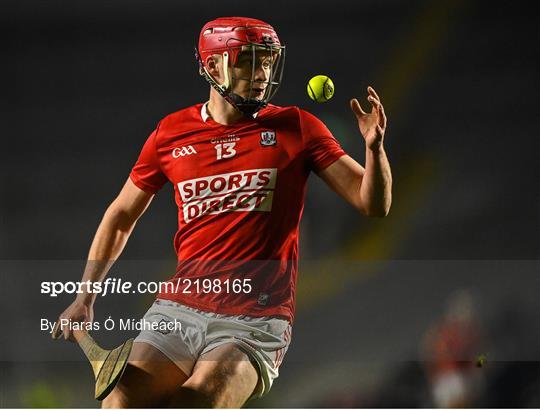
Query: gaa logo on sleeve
[(183, 151), (268, 138)]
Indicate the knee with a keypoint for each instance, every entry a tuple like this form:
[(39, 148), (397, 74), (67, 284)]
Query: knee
[(192, 397), (122, 399), (210, 393), (115, 400), (126, 395)]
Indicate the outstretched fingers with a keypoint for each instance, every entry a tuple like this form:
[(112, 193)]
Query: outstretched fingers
[(372, 92), (377, 108), (376, 104), (382, 117), (357, 108)]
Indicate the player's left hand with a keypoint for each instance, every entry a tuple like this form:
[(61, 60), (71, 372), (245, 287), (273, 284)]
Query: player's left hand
[(372, 125)]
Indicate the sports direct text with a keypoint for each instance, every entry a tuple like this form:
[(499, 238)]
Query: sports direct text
[(242, 191), (120, 286)]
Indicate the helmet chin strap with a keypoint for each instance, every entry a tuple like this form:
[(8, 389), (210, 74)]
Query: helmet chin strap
[(247, 106)]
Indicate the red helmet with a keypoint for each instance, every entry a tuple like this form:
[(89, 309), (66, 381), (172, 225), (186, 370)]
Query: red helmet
[(228, 36)]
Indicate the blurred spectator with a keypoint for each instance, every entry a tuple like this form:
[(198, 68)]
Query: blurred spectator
[(450, 350)]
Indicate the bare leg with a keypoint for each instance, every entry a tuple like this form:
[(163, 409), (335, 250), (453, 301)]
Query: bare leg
[(150, 379), (222, 378)]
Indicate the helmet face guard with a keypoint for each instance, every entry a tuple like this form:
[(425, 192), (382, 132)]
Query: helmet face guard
[(251, 39)]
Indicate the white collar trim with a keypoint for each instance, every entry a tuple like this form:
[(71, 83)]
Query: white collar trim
[(205, 115), (204, 112)]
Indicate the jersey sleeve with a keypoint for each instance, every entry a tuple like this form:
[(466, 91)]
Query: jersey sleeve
[(321, 147), (146, 173)]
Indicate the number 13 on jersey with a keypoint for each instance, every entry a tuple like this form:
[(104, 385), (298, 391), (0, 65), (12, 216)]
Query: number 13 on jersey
[(225, 150)]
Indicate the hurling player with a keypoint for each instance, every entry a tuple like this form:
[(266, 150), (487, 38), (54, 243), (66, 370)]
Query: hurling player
[(239, 167)]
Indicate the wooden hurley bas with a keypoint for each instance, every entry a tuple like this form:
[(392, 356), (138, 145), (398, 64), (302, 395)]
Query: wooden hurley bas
[(108, 365)]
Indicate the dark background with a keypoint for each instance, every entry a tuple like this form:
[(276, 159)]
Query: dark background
[(85, 82)]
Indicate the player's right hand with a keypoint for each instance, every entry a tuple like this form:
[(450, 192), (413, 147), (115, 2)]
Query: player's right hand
[(77, 312)]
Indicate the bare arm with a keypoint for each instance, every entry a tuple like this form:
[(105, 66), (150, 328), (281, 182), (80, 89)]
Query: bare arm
[(369, 190), (111, 237)]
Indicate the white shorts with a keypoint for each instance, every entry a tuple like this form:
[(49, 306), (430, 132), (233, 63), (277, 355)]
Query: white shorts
[(264, 339)]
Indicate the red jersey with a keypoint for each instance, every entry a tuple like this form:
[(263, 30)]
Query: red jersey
[(240, 195)]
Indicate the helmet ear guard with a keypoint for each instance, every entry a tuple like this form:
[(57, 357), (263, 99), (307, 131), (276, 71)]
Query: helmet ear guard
[(203, 71), (222, 89)]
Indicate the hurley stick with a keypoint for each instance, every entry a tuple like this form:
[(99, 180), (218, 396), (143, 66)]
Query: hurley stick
[(108, 365)]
